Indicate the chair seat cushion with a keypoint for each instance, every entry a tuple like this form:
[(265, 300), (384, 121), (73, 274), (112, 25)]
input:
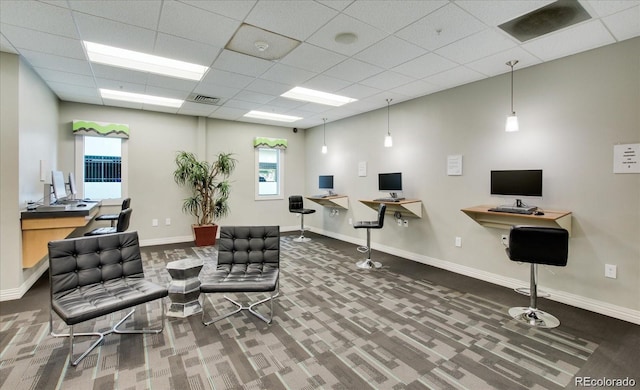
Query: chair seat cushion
[(107, 217), (303, 211), (101, 231), (367, 225), (84, 303), (251, 277)]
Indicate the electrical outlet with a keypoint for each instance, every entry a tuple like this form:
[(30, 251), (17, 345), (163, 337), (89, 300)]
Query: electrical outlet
[(399, 222), (350, 221), (458, 242), (405, 223), (167, 221), (337, 212), (610, 271), (154, 222)]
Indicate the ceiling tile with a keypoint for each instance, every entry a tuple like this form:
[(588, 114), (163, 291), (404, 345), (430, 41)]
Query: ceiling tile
[(392, 15), (239, 63), (386, 80), (6, 46), (287, 75), (195, 24), (496, 64), (183, 49), (196, 109), (367, 35), (254, 97), (55, 62), (38, 16), (358, 91), (39, 41), (229, 113), (122, 74), (416, 88), (120, 85), (74, 90), (171, 82), (442, 27), (494, 13), (325, 83), (228, 79), (214, 90), (605, 8), (268, 87), (454, 77), (336, 4), (581, 37), (353, 70), (312, 58), (139, 13), (624, 24), (166, 92), (233, 9), (66, 77), (476, 46), (109, 32), (390, 52), (293, 19), (424, 66)]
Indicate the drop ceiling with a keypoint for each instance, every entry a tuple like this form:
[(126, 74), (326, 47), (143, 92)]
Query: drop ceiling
[(403, 49)]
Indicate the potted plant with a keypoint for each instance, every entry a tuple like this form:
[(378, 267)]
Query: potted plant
[(209, 191)]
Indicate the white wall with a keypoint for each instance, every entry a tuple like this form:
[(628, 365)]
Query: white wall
[(29, 134), (572, 112)]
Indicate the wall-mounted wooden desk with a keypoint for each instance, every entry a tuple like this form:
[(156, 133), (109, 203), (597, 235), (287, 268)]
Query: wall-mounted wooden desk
[(493, 219), (40, 227), (335, 201), (407, 207)]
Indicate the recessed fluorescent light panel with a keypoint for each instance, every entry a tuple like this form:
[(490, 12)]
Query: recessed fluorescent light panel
[(140, 98), (271, 116), (310, 95), (130, 59)]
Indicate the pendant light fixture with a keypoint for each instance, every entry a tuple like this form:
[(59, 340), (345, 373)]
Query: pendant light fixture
[(388, 141), (512, 120), (324, 136)]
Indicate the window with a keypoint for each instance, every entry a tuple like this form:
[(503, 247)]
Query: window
[(269, 173), (101, 167)]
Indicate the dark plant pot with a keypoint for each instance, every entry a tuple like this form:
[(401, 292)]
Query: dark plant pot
[(205, 234)]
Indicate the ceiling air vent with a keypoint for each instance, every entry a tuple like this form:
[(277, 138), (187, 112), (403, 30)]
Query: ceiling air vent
[(550, 18), (196, 98)]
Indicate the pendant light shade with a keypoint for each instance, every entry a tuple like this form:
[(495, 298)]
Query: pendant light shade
[(388, 141), (324, 136), (512, 120)]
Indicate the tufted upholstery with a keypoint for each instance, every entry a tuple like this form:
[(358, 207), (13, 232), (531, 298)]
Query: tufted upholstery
[(296, 205), (126, 203), (248, 262), (93, 276)]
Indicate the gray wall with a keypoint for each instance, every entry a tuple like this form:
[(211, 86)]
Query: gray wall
[(572, 112)]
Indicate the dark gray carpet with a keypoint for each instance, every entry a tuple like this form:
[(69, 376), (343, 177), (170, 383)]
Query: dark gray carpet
[(336, 327)]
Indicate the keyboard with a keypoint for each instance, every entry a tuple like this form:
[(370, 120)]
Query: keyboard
[(514, 210), (388, 199)]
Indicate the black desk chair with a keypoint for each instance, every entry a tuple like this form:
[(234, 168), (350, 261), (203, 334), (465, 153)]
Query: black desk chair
[(126, 203), (377, 224), (296, 206), (123, 224), (537, 245)]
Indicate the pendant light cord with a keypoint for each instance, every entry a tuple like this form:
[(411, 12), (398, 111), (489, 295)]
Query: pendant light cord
[(324, 131), (512, 64), (388, 128)]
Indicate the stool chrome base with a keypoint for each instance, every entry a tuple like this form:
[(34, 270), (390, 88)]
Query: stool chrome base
[(302, 238), (534, 317), (368, 264)]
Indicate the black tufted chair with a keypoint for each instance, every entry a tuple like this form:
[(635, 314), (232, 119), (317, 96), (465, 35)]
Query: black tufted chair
[(296, 206), (377, 224), (94, 276), (248, 262), (537, 245), (123, 224), (113, 218)]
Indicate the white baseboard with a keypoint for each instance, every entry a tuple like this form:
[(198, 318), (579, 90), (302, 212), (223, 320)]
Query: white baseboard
[(11, 294), (605, 308), (166, 240)]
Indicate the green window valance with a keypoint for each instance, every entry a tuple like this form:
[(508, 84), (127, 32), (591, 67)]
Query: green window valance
[(273, 143), (100, 129)]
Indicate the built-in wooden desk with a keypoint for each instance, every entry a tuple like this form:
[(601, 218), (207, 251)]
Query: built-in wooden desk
[(499, 220), (40, 227), (334, 201), (407, 207)]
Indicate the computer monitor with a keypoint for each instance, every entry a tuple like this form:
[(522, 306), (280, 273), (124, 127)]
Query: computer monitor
[(518, 183), (72, 185), (325, 182), (390, 182), (58, 185)]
